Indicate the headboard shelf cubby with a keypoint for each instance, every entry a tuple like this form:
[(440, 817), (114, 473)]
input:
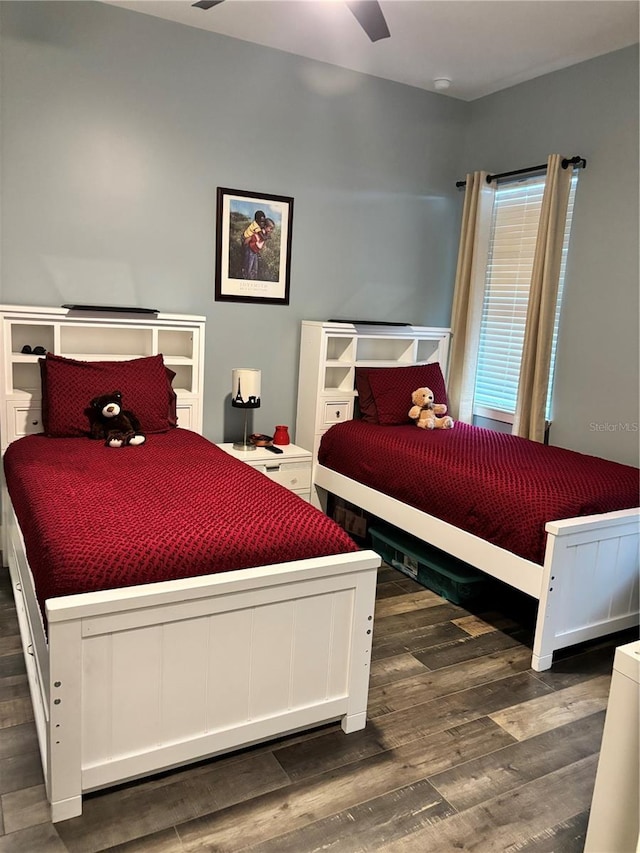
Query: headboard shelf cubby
[(27, 333), (331, 351)]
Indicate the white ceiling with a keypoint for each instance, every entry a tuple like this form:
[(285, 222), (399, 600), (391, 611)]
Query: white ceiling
[(481, 45)]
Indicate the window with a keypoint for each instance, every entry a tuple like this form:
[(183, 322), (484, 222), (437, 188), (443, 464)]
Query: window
[(514, 227)]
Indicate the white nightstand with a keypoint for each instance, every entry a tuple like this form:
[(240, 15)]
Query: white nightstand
[(291, 468)]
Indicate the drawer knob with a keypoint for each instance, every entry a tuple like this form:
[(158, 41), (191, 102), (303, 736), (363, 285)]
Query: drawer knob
[(337, 413), (35, 423)]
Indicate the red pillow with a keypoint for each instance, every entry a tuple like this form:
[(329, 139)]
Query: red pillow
[(173, 399), (68, 386), (366, 400), (391, 389)]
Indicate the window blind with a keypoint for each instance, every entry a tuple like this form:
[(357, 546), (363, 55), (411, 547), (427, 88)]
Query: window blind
[(514, 229)]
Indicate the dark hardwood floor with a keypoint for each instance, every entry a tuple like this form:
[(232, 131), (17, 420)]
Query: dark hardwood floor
[(466, 749)]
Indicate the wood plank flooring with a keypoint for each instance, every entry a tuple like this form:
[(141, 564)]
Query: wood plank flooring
[(466, 749)]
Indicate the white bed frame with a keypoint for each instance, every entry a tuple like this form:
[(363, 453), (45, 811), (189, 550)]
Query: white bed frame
[(133, 681), (588, 586)]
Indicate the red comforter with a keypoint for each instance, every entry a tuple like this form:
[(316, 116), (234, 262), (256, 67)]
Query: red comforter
[(98, 518), (496, 486)]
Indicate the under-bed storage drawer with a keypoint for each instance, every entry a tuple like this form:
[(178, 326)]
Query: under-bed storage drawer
[(450, 578)]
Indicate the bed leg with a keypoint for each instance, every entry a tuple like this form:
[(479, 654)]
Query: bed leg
[(543, 641), (541, 662), (65, 809), (353, 722), (64, 739), (547, 618)]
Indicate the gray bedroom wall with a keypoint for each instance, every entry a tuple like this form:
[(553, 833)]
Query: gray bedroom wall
[(590, 109), (117, 129)]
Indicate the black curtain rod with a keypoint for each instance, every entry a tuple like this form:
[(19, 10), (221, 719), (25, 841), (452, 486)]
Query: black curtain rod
[(573, 161)]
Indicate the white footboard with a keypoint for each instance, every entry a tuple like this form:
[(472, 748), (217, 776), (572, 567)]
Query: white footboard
[(142, 679), (587, 588), (590, 587)]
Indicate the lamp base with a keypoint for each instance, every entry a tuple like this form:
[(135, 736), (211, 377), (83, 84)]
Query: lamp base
[(244, 444)]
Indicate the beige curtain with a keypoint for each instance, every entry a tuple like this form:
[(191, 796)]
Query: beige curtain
[(529, 419), (469, 294)]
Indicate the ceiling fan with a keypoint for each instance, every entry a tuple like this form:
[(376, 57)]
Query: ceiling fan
[(367, 12)]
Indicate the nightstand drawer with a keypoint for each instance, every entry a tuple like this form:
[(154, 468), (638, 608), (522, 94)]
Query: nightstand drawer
[(335, 412), (27, 420), (292, 475)]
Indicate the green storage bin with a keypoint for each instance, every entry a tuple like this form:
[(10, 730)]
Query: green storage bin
[(451, 578)]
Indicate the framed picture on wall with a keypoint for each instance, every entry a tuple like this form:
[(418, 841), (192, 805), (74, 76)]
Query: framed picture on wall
[(253, 247)]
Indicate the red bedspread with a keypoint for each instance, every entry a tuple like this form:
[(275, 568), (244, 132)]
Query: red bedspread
[(499, 487), (94, 517)]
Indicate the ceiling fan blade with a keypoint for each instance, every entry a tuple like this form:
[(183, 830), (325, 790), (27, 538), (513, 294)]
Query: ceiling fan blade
[(369, 15), (206, 4)]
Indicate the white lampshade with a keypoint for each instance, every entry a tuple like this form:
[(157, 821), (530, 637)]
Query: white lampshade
[(245, 387)]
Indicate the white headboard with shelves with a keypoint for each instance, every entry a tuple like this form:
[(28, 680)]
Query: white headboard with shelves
[(331, 351), (88, 336)]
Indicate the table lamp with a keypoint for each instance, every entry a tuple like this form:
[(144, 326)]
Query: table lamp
[(245, 394)]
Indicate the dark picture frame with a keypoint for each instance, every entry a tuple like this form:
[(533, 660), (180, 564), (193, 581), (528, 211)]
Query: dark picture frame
[(253, 247)]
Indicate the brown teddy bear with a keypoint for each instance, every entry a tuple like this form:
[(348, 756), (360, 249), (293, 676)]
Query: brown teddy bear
[(426, 413), (111, 423)]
